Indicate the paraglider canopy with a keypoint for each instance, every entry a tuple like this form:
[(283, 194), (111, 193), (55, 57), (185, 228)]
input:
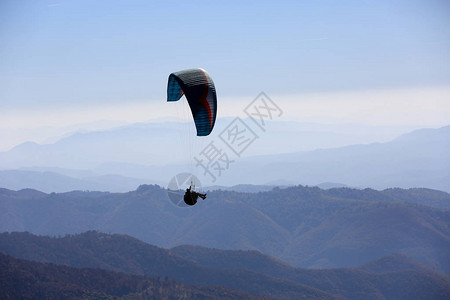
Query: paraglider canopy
[(200, 92)]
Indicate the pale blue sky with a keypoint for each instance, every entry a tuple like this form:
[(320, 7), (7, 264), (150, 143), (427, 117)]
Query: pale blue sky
[(374, 62), (107, 51)]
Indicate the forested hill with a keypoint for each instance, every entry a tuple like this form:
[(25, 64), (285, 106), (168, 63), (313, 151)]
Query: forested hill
[(249, 271), (304, 226), (22, 279)]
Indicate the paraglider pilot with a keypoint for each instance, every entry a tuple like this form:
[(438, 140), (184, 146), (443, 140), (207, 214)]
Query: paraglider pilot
[(190, 197)]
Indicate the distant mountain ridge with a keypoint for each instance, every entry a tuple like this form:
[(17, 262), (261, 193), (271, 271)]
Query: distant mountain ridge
[(305, 226), (250, 271), (417, 159), (137, 141), (55, 182)]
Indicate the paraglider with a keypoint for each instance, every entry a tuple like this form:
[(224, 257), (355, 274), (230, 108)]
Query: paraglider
[(191, 196), (200, 92)]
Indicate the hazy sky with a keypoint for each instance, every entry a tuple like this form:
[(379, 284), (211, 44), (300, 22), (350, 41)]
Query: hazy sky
[(378, 62)]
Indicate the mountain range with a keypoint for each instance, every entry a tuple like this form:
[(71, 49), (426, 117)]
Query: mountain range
[(162, 143), (122, 159), (304, 226), (225, 273), (418, 159)]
